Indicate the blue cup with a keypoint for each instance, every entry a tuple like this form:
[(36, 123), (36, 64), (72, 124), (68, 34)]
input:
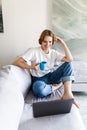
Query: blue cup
[(42, 65)]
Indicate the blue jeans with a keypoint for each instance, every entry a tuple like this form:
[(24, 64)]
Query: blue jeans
[(42, 86)]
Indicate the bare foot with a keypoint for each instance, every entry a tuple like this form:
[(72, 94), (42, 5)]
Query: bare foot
[(76, 103), (56, 86), (69, 96)]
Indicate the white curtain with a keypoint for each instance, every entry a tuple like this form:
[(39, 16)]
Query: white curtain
[(69, 21)]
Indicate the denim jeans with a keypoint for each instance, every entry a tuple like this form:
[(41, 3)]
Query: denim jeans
[(42, 86)]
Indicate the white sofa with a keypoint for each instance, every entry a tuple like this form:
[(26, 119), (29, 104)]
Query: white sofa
[(16, 110)]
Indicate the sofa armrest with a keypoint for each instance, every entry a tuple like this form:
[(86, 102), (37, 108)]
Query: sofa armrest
[(18, 76)]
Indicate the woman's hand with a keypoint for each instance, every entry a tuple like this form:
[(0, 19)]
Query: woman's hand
[(59, 40), (35, 66)]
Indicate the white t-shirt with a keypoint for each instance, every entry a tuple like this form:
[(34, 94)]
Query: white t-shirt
[(37, 55)]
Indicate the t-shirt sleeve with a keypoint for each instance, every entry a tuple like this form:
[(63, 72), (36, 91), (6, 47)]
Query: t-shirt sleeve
[(28, 56)]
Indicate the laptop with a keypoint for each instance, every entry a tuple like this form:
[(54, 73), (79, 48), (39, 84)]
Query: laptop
[(53, 107)]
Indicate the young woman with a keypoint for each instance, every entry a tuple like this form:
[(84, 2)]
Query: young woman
[(44, 81)]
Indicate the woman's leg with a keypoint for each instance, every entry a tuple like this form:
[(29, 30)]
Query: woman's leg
[(41, 89), (68, 93), (65, 73)]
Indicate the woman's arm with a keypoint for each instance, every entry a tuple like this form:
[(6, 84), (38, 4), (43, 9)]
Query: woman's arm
[(22, 63), (68, 57)]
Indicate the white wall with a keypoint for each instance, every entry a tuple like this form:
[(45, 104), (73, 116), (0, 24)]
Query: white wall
[(24, 20)]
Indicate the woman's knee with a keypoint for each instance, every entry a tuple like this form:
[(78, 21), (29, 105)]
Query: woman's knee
[(69, 65), (38, 88)]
